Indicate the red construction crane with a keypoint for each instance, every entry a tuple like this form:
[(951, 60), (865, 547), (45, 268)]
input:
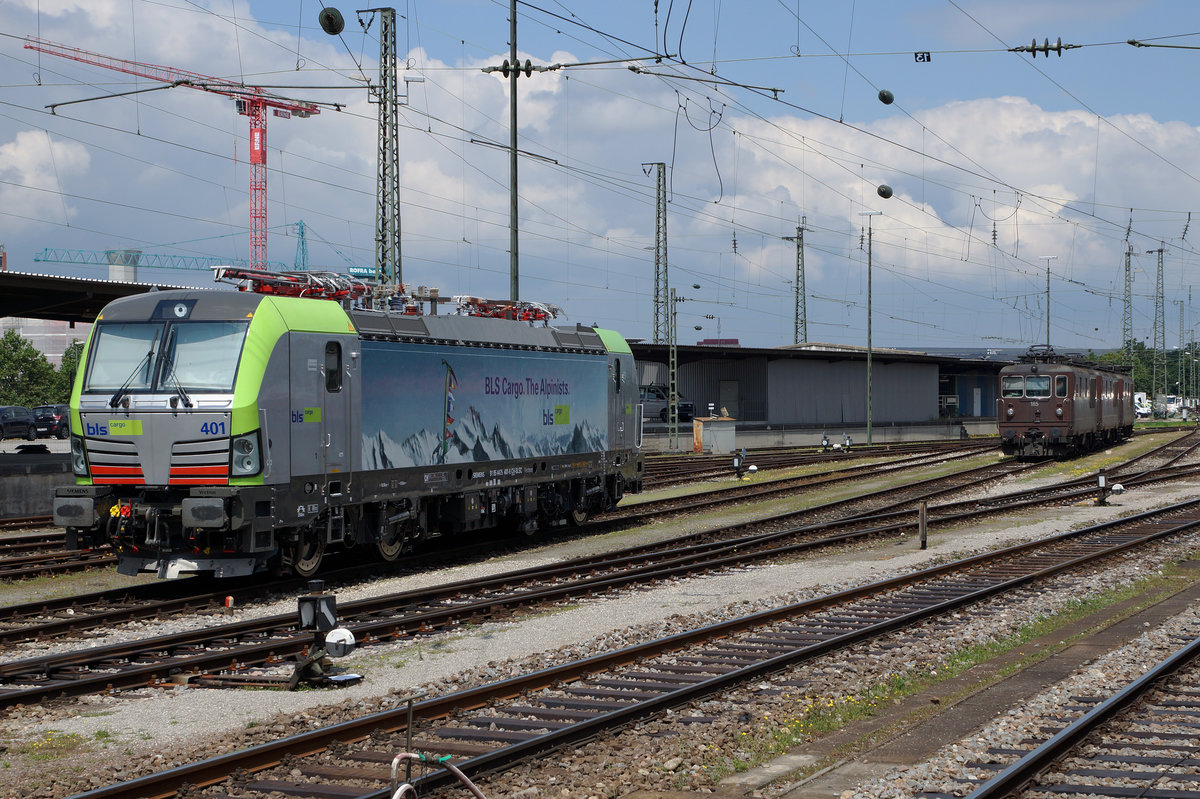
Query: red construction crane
[(251, 101)]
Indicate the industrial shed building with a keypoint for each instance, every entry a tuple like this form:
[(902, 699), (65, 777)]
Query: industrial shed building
[(823, 385)]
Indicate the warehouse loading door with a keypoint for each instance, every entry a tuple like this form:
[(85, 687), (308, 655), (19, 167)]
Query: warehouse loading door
[(727, 394)]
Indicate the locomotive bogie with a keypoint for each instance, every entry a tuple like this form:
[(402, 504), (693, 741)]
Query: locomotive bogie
[(322, 429)]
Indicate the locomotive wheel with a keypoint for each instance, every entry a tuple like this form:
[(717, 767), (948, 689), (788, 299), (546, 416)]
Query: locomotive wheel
[(390, 546), (307, 555), (577, 517)]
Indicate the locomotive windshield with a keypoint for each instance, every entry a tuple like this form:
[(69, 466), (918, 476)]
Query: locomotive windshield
[(157, 356), (1037, 386), (1012, 386)]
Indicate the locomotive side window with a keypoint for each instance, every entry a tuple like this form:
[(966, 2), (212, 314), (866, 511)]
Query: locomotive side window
[(1092, 392), (333, 366), (1037, 386), (1060, 385), (1012, 386)]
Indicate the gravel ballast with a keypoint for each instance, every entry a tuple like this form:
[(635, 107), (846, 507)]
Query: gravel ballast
[(119, 737)]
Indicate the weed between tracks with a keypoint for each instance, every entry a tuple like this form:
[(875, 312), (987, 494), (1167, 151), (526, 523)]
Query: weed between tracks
[(805, 718)]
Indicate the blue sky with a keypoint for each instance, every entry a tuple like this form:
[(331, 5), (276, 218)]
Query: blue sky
[(765, 112)]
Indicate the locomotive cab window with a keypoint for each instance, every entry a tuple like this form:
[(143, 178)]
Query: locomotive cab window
[(1037, 386), (140, 357), (1060, 385), (333, 366), (1012, 386)]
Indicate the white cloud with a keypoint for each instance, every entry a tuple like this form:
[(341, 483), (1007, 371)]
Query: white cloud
[(33, 171)]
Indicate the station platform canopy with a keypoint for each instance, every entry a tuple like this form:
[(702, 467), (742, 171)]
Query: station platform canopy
[(64, 299)]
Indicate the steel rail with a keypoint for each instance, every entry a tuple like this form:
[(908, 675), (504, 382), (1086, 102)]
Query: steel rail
[(422, 610), (1012, 779), (257, 758), (704, 501)]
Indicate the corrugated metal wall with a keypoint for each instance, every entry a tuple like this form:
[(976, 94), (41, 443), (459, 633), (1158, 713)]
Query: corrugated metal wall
[(835, 392), (745, 379), (825, 392)]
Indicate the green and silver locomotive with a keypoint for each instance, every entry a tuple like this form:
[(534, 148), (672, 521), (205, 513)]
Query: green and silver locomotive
[(231, 432)]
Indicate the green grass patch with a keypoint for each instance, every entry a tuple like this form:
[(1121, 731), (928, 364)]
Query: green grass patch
[(809, 717), (52, 745)]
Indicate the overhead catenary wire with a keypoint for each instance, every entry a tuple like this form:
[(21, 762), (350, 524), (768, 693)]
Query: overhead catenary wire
[(607, 180)]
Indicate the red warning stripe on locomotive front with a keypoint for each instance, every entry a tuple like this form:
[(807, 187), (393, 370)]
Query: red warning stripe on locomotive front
[(199, 475), (185, 471), (117, 475)]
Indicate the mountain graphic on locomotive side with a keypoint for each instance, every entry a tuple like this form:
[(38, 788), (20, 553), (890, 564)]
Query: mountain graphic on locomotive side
[(232, 432), (1058, 406)]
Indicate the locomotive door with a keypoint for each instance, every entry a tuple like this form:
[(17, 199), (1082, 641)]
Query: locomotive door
[(335, 418), (320, 417)]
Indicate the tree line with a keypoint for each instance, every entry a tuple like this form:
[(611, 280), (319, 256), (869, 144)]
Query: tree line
[(29, 378), (1179, 376)]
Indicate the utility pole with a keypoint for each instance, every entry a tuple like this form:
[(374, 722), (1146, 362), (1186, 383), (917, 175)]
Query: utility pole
[(1182, 344), (672, 378), (387, 156), (1160, 331), (868, 215), (511, 69), (513, 242), (387, 182), (800, 315), (1127, 315), (661, 285), (1047, 259)]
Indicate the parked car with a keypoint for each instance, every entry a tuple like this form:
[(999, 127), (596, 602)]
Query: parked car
[(16, 421), (52, 420), (656, 401)]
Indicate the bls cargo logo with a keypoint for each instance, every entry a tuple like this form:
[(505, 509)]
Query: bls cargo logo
[(561, 414), (113, 427), (302, 415)]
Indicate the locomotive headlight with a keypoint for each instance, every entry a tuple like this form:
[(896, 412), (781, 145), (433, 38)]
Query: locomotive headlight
[(78, 457), (1058, 411), (246, 460), (1009, 412)]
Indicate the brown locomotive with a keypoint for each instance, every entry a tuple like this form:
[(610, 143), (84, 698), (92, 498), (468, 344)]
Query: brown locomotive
[(1056, 406)]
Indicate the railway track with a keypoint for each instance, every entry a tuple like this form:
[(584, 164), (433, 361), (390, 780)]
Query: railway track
[(52, 618), (39, 541), (663, 470), (269, 641), (1138, 742), (63, 561), (24, 522), (41, 553), (492, 727)]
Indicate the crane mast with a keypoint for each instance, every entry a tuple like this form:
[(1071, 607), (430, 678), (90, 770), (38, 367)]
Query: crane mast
[(252, 102)]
